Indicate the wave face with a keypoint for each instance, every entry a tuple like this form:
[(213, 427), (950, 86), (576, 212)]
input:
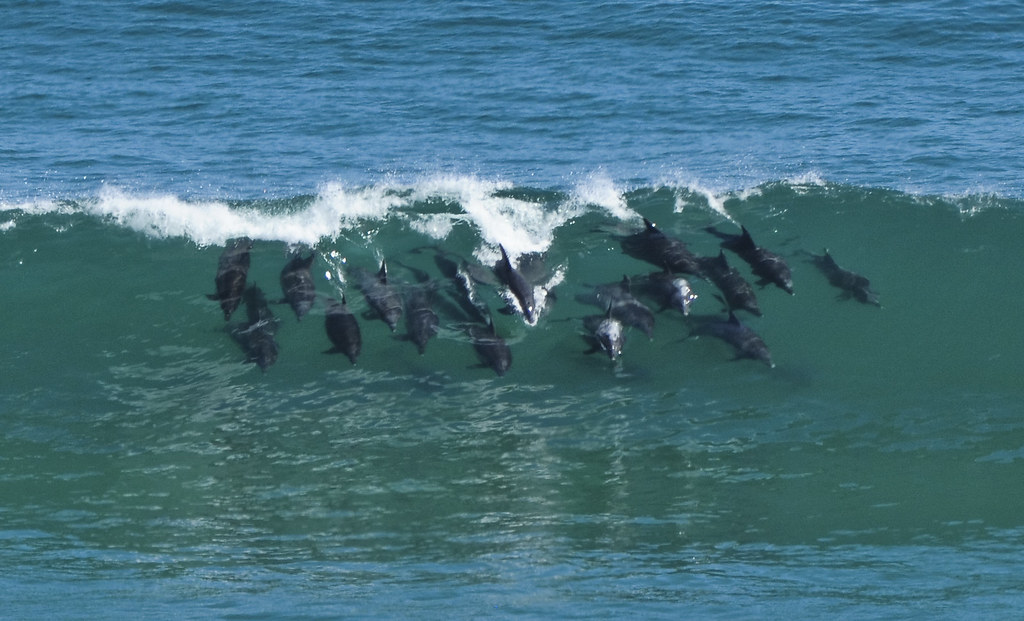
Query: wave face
[(105, 268), (113, 355), (117, 368)]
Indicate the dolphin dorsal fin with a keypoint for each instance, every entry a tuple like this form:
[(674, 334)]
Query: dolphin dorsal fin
[(505, 261), (382, 275), (746, 240)]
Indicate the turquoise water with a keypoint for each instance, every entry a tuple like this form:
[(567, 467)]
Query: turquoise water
[(146, 470)]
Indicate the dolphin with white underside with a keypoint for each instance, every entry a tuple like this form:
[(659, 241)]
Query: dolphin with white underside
[(606, 333), (521, 289), (617, 298), (666, 289)]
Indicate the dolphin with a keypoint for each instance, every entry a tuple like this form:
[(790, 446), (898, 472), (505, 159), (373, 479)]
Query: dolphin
[(618, 299), (737, 291), (607, 332), (297, 284), (492, 350), (465, 291), (343, 329), (420, 320), (382, 297), (765, 263), (771, 267), (666, 289), (517, 284), (657, 248), (257, 335), (748, 344), (851, 283), (232, 269)]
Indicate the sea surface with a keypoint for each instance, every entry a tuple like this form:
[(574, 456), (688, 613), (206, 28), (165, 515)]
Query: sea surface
[(149, 469)]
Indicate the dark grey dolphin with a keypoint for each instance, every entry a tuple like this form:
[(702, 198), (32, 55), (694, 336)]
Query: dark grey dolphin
[(659, 249), (737, 291), (851, 283), (607, 334), (420, 319), (748, 344), (771, 267), (232, 269), (492, 350), (465, 298), (343, 329), (517, 284), (383, 298), (257, 335), (618, 300), (665, 288), (297, 284), (421, 322)]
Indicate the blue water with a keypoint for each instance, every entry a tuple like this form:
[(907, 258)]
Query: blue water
[(146, 470), (243, 99)]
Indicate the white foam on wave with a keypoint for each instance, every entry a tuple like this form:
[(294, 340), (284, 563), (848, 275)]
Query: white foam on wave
[(37, 207), (521, 226), (811, 178), (343, 206), (599, 189), (435, 225), (213, 222), (205, 223), (715, 199)]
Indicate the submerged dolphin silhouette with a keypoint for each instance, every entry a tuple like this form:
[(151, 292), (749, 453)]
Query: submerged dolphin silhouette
[(420, 319), (492, 350), (748, 344), (382, 297), (852, 283), (297, 284), (257, 336), (232, 269), (343, 329)]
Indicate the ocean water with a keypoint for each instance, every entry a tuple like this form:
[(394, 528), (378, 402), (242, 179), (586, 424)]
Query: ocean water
[(147, 470)]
